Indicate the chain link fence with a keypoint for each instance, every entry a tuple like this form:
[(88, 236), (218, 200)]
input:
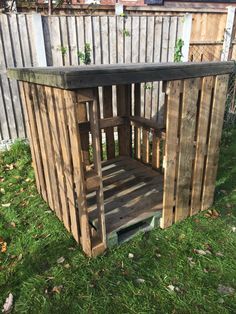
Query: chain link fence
[(205, 53)]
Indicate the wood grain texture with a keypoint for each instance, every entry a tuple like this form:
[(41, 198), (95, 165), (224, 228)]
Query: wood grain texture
[(201, 145), (217, 118), (108, 113), (186, 148), (173, 102), (75, 150)]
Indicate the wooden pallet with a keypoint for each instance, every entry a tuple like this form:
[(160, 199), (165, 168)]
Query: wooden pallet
[(132, 198)]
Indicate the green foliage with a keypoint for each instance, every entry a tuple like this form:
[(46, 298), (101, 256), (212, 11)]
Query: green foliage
[(178, 50), (148, 86), (85, 57), (63, 50), (126, 33)]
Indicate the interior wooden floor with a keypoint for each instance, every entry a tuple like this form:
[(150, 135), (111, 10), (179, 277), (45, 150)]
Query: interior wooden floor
[(133, 192)]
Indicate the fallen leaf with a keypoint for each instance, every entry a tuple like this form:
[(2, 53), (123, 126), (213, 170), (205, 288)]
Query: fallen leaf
[(234, 229), (191, 262), (131, 255), (67, 266), (200, 252), (2, 190), (3, 247), (7, 307), (225, 290), (60, 260), (57, 289), (20, 257), (219, 254), (6, 205), (140, 280), (158, 255), (13, 224), (212, 214)]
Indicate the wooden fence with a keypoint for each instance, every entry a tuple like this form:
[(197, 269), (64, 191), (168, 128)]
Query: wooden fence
[(34, 40)]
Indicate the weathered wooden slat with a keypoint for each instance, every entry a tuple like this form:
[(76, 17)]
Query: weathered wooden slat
[(107, 75), (186, 148), (42, 101), (124, 109), (217, 117), (155, 150), (173, 102), (137, 130), (35, 140), (66, 145), (78, 171), (93, 117), (58, 155), (32, 138), (43, 144), (201, 145), (81, 114), (107, 113)]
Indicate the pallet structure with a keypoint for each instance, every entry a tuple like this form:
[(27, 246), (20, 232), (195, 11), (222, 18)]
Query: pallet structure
[(110, 165)]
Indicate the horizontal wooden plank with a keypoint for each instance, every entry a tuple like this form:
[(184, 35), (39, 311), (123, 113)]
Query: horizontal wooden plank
[(107, 75), (103, 123), (144, 122)]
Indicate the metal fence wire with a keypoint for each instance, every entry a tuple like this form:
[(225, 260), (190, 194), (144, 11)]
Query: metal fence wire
[(204, 53)]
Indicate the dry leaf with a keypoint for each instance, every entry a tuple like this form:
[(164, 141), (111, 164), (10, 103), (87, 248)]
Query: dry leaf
[(6, 205), (200, 252), (3, 247), (2, 190), (219, 254), (131, 255), (67, 266), (212, 214), (225, 290), (13, 224), (234, 229), (57, 289), (7, 307), (61, 260), (20, 257), (140, 280)]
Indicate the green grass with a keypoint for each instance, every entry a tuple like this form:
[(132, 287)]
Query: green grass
[(108, 284)]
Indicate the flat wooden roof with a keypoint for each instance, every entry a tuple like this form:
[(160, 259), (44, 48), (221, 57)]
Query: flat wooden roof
[(105, 75)]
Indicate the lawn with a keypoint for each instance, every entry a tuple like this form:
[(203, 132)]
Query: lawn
[(188, 268)]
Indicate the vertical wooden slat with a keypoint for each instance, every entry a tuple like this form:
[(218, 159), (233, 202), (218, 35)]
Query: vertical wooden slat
[(97, 39), (62, 107), (155, 151), (43, 144), (80, 35), (93, 117), (120, 38), (57, 152), (76, 153), (81, 114), (124, 109), (137, 130), (49, 147), (173, 93), (64, 46), (107, 113), (35, 139), (127, 37), (186, 148), (55, 39), (32, 139), (217, 118), (201, 143)]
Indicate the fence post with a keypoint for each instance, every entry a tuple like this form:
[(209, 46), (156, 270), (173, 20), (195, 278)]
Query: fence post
[(228, 35), (39, 52), (187, 28)]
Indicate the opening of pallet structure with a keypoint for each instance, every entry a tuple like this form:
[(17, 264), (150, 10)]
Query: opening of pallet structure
[(121, 148)]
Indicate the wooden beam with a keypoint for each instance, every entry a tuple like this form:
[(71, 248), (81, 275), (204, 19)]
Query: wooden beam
[(229, 35), (107, 75)]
